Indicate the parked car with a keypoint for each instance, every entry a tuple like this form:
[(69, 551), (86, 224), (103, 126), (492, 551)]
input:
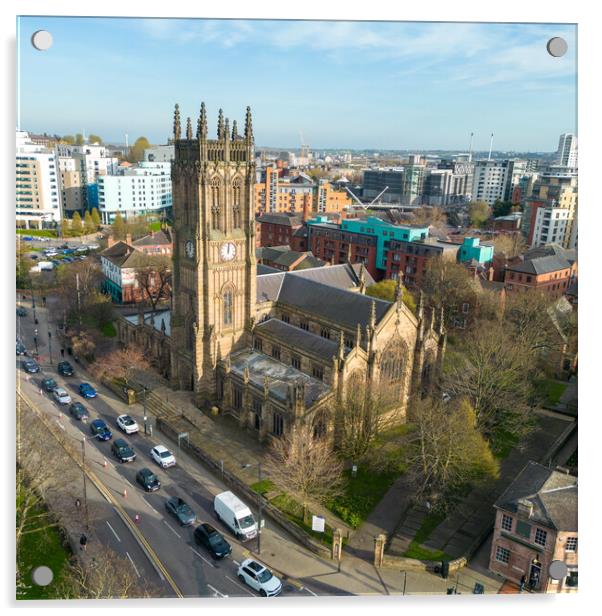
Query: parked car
[(87, 391), (232, 512), (31, 366), (127, 424), (79, 411), (100, 430), (21, 312), (123, 452), (68, 251), (21, 350), (33, 256), (259, 577), (65, 368), (213, 540), (93, 246), (148, 480), (27, 238), (180, 511), (61, 395), (162, 456), (49, 384)]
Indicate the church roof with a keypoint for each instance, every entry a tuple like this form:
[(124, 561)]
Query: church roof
[(299, 338)]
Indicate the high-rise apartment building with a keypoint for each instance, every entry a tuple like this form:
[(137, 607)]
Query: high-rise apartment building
[(495, 179), (37, 185), (566, 155)]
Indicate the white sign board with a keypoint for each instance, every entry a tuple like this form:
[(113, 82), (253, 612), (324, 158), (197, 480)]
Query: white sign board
[(317, 523)]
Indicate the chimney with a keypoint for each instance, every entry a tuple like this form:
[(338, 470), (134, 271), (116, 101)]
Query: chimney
[(524, 508), (128, 239), (490, 273), (110, 241)]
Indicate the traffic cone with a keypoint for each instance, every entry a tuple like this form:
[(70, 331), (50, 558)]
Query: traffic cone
[(125, 493)]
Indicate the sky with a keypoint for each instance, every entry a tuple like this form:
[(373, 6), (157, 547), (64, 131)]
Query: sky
[(356, 85)]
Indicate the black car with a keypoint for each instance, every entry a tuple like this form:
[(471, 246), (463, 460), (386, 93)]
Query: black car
[(65, 369), (49, 384), (30, 366), (180, 511), (214, 541), (79, 411), (21, 350), (148, 480), (123, 452), (21, 312)]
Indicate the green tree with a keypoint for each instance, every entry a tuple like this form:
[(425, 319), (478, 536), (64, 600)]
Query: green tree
[(479, 213), (68, 139), (502, 208), (77, 228), (79, 139), (95, 139), (385, 289), (23, 276), (118, 228), (137, 150), (89, 226), (95, 218), (65, 227)]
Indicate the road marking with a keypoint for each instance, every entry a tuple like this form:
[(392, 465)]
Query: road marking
[(203, 558), (216, 591), (171, 529), (133, 565), (150, 506), (311, 592), (113, 531), (239, 584), (236, 562), (61, 426)]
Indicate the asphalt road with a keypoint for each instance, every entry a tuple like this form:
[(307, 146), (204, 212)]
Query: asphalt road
[(191, 567)]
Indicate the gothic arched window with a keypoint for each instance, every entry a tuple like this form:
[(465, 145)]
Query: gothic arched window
[(236, 204), (392, 367), (227, 307), (215, 205)]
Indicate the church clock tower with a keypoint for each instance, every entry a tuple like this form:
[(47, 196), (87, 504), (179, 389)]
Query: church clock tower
[(214, 267)]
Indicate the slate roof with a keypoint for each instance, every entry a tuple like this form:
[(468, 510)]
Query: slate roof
[(156, 239), (548, 250), (118, 253), (552, 494), (281, 219), (541, 265), (163, 315), (266, 269), (299, 338)]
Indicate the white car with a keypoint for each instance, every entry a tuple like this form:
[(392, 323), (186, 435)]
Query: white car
[(162, 456), (93, 246), (260, 578), (127, 424), (61, 396)]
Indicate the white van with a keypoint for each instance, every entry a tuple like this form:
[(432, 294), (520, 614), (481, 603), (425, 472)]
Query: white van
[(45, 266), (232, 512)]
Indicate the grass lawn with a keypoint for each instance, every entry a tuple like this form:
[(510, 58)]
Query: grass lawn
[(503, 443), (294, 512), (37, 232), (41, 548), (552, 390), (108, 330), (155, 226), (263, 487), (422, 534)]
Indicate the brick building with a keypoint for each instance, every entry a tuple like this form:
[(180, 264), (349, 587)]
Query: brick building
[(284, 259), (535, 524), (277, 229)]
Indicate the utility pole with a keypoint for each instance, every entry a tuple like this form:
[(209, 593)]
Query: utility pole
[(85, 483), (259, 502), (145, 428), (79, 307), (50, 345)]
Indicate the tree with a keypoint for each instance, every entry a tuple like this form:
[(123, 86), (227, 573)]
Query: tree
[(96, 218), (137, 227), (502, 208), (95, 139), (77, 228), (89, 226), (83, 345), (78, 290), (305, 466), (510, 245), (426, 215), (68, 139), (23, 277), (494, 370), (137, 150), (79, 139), (118, 228), (122, 364), (65, 227), (154, 278), (479, 213), (386, 289), (447, 451)]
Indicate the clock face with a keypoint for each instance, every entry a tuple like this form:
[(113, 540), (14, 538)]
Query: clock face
[(190, 249), (228, 251)]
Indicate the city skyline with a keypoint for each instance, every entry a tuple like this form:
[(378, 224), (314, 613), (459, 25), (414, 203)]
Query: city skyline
[(118, 76)]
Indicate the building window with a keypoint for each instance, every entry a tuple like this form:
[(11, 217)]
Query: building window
[(325, 333), (275, 352), (540, 536), (506, 522), (523, 529), (228, 308), (258, 344), (278, 426), (502, 555), (571, 544), (304, 325), (571, 579), (237, 398), (318, 372), (296, 362), (286, 318), (465, 307)]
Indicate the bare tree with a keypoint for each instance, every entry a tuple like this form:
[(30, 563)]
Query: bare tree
[(447, 450), (426, 215), (122, 364), (306, 466), (154, 278), (510, 245)]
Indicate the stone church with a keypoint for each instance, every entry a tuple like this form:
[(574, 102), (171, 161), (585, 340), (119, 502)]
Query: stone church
[(277, 348)]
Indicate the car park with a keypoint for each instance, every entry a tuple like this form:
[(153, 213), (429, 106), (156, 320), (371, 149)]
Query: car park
[(213, 540), (100, 430), (49, 384), (79, 411), (30, 366), (180, 510), (127, 424), (33, 256), (162, 456), (122, 450), (68, 251), (61, 395), (259, 577), (93, 246), (87, 391), (65, 368), (148, 480)]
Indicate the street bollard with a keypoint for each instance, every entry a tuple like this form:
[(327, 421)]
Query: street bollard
[(125, 493), (104, 463)]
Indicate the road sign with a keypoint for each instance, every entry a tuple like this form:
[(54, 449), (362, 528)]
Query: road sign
[(318, 523)]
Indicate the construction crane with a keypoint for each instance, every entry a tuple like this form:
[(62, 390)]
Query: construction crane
[(366, 206)]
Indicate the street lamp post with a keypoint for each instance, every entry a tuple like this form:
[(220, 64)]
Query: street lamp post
[(85, 483), (35, 340), (50, 345), (145, 417), (259, 505)]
